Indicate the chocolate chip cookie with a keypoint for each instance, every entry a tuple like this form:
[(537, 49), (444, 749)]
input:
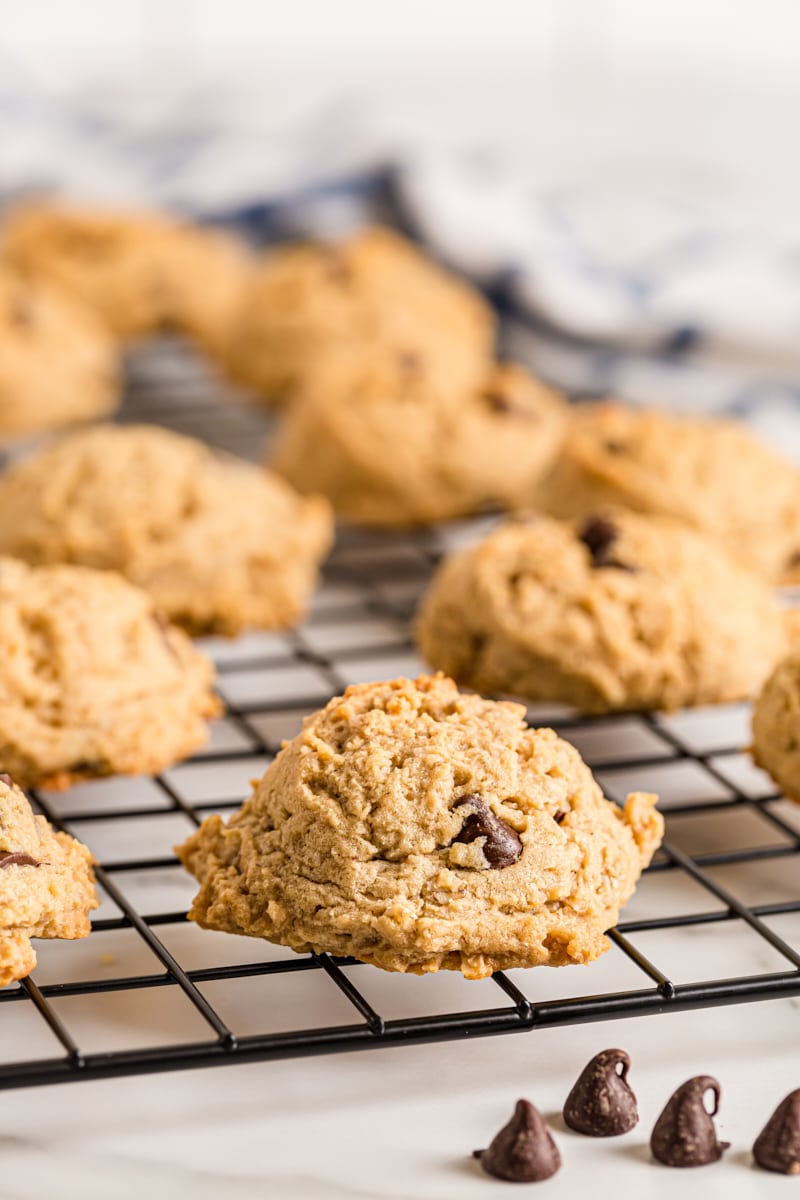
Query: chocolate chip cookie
[(46, 884), (374, 294), (615, 611), (93, 681), (713, 474), (58, 364), (142, 273), (218, 543), (417, 828), (390, 444), (776, 725)]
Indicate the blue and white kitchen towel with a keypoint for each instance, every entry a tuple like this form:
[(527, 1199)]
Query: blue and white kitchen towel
[(604, 292)]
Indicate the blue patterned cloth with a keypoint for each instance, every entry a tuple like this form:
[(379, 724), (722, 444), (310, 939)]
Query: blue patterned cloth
[(601, 292)]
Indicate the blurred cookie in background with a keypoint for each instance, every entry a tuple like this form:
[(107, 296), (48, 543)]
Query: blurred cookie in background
[(376, 292), (58, 364), (391, 443), (712, 473), (220, 544), (142, 273), (618, 611), (776, 725)]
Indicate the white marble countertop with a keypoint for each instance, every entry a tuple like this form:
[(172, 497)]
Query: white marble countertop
[(399, 1122)]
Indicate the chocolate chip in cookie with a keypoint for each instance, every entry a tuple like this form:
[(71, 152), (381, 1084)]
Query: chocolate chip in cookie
[(502, 846), (598, 534), (523, 1151), (18, 859), (684, 1134)]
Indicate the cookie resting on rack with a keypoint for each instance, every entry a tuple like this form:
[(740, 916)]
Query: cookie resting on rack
[(219, 543), (375, 293), (390, 444), (776, 725), (46, 884), (58, 364), (142, 273), (93, 681), (417, 828), (712, 473), (617, 611)]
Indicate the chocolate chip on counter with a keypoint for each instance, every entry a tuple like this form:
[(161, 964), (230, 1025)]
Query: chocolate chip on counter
[(6, 779), (598, 534), (684, 1134), (523, 1151), (18, 859), (777, 1147), (503, 845), (601, 1104)]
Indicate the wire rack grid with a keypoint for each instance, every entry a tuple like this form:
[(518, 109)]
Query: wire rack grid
[(715, 920)]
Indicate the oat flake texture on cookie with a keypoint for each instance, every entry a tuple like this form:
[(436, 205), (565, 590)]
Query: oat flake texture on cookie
[(220, 544), (418, 828), (46, 884)]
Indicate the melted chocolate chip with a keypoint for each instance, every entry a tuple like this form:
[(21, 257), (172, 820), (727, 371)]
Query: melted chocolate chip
[(6, 779), (18, 859), (777, 1147), (601, 1104), (684, 1134), (503, 845), (598, 534), (523, 1151)]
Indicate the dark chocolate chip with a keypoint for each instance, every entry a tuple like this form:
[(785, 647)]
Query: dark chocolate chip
[(777, 1147), (503, 845), (6, 779), (601, 1104), (614, 447), (410, 361), (598, 534), (21, 312), (559, 815), (523, 1151), (18, 859), (501, 402), (684, 1134)]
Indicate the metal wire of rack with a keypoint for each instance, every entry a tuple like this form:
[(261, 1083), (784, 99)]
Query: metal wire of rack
[(716, 919)]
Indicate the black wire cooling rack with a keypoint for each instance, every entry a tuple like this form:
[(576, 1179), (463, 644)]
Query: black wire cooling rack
[(716, 918)]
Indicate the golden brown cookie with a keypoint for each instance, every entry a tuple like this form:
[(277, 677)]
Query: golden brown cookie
[(776, 725), (391, 445), (93, 681), (142, 273), (218, 543), (46, 884), (617, 611), (712, 473), (418, 829), (374, 294), (58, 365)]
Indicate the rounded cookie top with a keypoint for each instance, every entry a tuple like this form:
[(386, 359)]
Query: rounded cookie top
[(389, 444), (618, 611), (46, 883), (219, 544), (93, 681), (712, 473), (373, 293), (417, 829), (57, 363), (776, 725), (142, 273)]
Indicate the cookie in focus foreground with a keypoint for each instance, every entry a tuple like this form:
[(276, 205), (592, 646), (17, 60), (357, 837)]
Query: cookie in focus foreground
[(219, 543), (417, 828), (375, 293), (46, 884), (391, 444), (93, 681), (712, 473), (620, 611)]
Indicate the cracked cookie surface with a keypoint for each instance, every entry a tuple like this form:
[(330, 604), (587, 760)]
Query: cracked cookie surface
[(375, 293), (93, 681), (712, 473), (618, 611), (219, 543), (46, 884), (418, 828), (391, 445)]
